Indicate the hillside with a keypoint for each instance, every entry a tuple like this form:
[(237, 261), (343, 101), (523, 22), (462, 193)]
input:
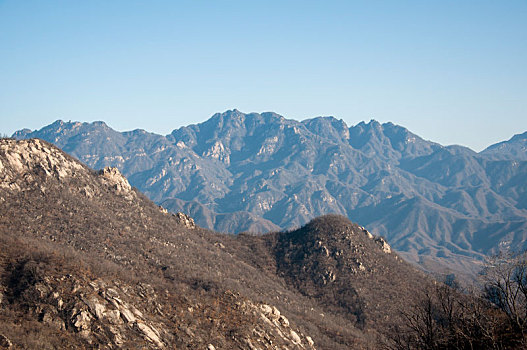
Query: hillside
[(87, 261), (513, 149), (436, 205)]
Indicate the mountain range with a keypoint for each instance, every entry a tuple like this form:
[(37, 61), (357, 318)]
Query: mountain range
[(88, 262), (440, 206)]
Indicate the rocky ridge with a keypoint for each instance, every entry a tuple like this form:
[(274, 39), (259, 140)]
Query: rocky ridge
[(61, 292), (21, 158), (85, 265), (120, 315), (238, 172)]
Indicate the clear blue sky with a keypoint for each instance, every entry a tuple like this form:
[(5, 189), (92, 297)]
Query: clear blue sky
[(454, 72)]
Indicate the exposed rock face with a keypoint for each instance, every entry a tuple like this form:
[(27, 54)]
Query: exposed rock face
[(150, 333), (113, 178), (28, 162), (270, 315), (118, 315), (100, 312), (384, 245), (185, 220), (31, 163)]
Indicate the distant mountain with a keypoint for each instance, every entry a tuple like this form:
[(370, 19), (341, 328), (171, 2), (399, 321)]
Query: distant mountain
[(86, 261), (513, 149), (260, 172)]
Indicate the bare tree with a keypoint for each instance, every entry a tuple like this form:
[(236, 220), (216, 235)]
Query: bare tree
[(444, 318), (505, 285)]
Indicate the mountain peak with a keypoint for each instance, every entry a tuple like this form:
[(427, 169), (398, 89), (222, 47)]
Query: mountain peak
[(243, 168), (513, 149), (58, 122), (231, 113), (332, 256), (225, 118), (370, 124), (100, 123), (336, 228)]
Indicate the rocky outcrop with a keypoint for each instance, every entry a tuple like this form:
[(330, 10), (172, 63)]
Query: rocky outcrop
[(113, 178), (121, 315), (25, 163), (384, 245), (379, 240), (279, 326), (185, 220), (28, 164), (101, 312), (332, 259)]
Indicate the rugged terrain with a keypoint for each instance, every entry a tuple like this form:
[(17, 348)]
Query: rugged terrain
[(87, 261), (237, 172)]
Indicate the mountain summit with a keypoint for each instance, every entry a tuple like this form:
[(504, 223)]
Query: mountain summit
[(259, 172), (513, 149)]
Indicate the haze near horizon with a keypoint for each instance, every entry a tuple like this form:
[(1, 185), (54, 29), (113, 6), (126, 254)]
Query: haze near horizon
[(451, 72)]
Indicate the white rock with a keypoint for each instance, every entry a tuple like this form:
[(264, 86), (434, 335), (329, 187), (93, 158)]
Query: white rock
[(114, 178), (384, 245), (113, 316), (266, 309), (276, 312), (82, 320), (127, 315), (310, 341), (97, 309), (283, 321), (295, 338), (185, 220), (150, 333)]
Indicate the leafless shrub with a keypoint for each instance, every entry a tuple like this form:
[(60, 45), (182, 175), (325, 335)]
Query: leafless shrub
[(505, 286)]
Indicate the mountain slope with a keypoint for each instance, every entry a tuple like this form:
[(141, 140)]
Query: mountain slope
[(238, 172), (86, 261), (513, 149)]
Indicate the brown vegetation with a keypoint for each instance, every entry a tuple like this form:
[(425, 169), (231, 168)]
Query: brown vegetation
[(104, 250), (493, 317)]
